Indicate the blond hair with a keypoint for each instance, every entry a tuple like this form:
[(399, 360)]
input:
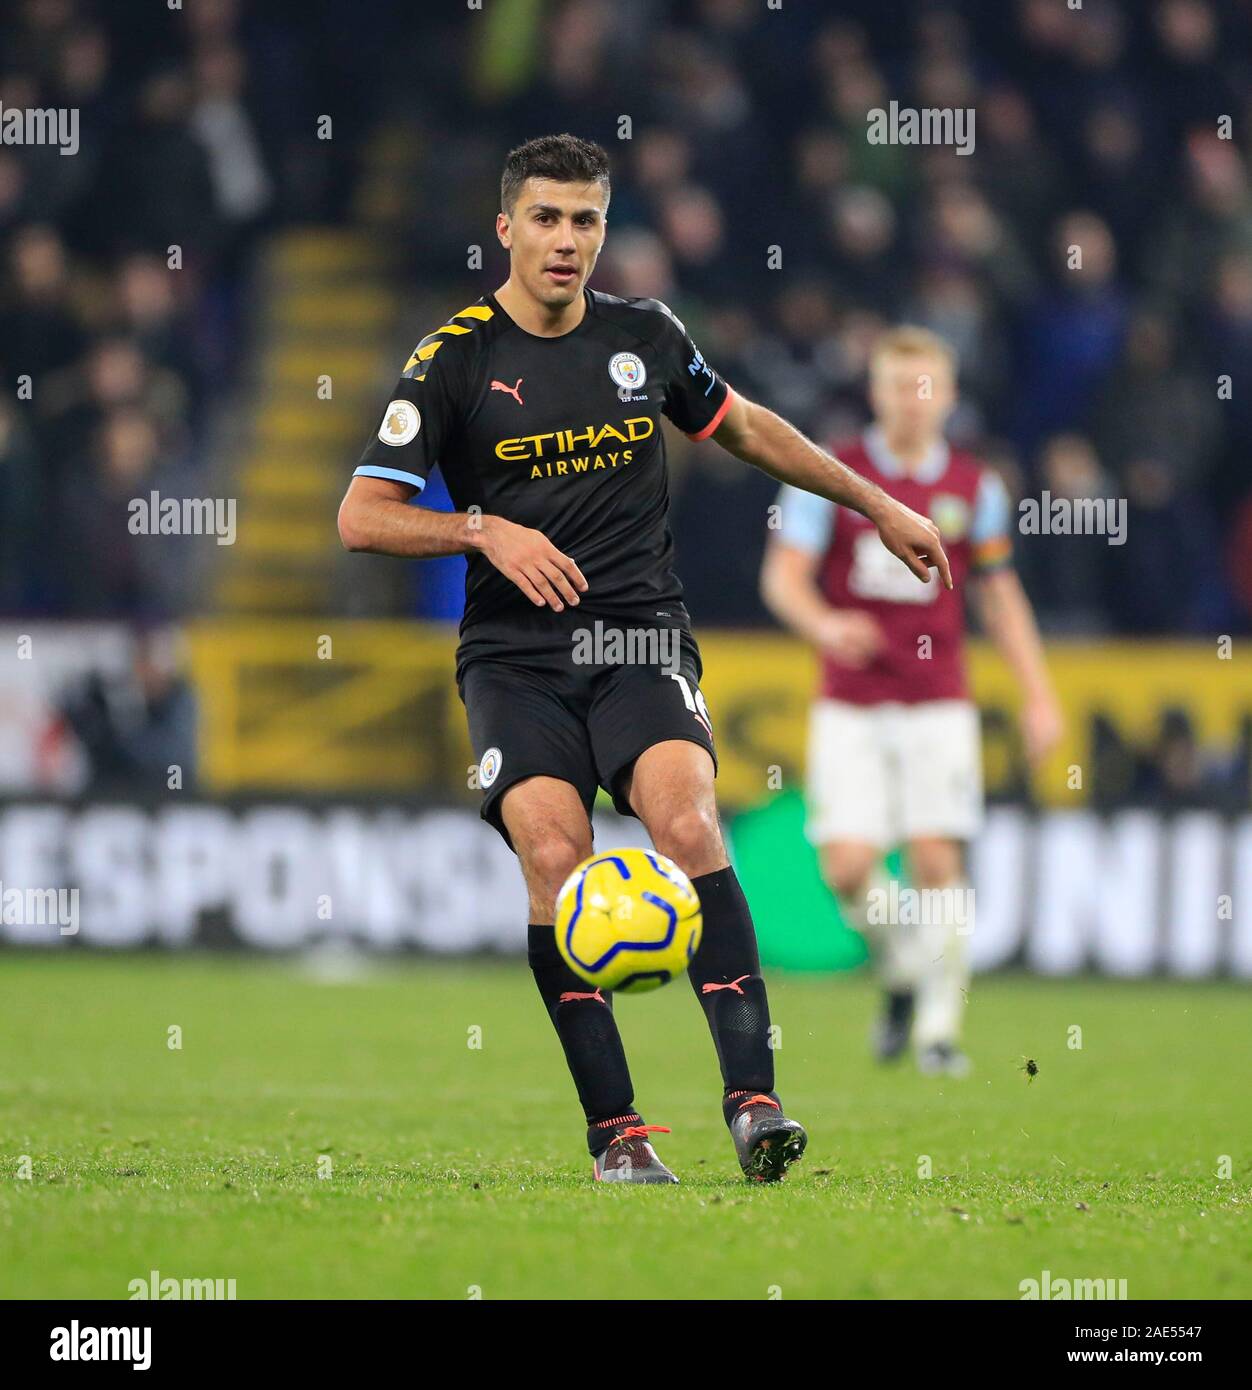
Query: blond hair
[(911, 340)]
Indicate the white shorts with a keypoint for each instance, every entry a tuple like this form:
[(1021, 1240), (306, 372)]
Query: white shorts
[(885, 774)]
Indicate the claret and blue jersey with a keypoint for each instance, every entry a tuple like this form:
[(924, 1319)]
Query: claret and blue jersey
[(969, 504)]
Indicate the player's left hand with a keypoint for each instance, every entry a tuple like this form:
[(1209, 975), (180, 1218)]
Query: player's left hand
[(914, 539), (1042, 726)]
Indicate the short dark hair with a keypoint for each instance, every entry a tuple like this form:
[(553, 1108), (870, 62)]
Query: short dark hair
[(565, 158)]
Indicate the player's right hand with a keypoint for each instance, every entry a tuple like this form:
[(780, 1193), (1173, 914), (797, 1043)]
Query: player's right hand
[(1043, 725), (912, 538), (852, 637), (533, 563)]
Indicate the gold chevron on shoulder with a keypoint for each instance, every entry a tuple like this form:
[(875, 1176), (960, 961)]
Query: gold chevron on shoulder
[(426, 349)]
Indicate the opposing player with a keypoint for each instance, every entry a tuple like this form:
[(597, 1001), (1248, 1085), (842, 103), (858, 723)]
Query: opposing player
[(894, 753), (542, 405)]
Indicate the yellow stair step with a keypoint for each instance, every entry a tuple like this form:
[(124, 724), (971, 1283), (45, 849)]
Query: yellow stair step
[(297, 484), (285, 535), (313, 251), (269, 593)]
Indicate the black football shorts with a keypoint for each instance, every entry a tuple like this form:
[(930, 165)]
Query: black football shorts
[(581, 704)]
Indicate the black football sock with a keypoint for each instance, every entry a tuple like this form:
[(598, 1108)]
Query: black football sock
[(899, 1006), (726, 977), (588, 1032)]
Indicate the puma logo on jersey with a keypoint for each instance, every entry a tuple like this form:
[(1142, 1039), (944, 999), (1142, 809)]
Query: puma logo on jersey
[(514, 391)]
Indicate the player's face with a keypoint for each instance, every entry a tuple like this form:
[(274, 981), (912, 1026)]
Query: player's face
[(912, 395), (554, 237)]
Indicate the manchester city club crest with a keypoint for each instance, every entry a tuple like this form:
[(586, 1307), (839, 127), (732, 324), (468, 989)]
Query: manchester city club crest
[(489, 767), (627, 371)]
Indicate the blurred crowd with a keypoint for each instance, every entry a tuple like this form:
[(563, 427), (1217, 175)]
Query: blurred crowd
[(123, 271), (746, 195), (1101, 127)]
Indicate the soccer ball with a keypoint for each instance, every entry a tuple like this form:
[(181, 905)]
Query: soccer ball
[(628, 920)]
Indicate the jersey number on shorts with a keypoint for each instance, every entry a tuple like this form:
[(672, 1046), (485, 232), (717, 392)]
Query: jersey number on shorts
[(694, 700)]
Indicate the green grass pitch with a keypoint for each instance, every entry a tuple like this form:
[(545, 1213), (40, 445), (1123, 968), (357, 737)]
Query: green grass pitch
[(453, 1169)]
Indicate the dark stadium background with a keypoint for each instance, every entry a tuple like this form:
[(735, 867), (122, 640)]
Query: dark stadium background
[(327, 173)]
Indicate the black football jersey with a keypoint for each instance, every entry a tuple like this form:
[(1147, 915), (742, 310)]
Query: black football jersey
[(562, 434)]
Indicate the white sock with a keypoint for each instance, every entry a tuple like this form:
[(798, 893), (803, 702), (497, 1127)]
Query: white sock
[(898, 951), (944, 969)]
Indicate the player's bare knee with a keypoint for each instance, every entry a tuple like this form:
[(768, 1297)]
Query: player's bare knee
[(935, 863), (846, 874), (848, 887), (549, 859), (692, 837)]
